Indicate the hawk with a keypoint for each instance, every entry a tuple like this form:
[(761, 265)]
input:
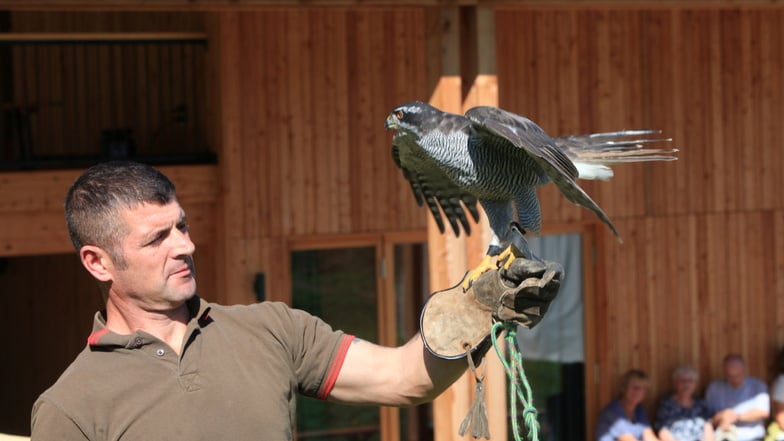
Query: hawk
[(498, 159)]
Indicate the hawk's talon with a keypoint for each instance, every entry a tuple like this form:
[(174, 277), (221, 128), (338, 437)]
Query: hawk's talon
[(500, 261), (487, 264)]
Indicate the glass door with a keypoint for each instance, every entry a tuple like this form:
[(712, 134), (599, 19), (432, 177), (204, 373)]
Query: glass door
[(372, 287), (339, 286)]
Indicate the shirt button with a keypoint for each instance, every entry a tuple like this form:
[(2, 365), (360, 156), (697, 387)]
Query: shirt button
[(138, 341), (160, 352)]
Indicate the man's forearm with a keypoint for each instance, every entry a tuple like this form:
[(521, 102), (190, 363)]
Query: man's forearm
[(431, 375), (402, 376), (753, 415)]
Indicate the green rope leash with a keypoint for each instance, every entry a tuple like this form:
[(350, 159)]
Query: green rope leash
[(519, 387)]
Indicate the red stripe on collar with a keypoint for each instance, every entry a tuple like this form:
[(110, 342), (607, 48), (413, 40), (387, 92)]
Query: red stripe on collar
[(95, 337)]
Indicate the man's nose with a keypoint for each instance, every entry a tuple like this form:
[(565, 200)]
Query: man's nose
[(185, 246)]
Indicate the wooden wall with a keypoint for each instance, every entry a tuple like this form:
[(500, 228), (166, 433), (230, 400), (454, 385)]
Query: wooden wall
[(700, 271), (303, 146)]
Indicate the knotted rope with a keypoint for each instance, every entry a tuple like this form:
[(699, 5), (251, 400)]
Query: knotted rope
[(518, 382)]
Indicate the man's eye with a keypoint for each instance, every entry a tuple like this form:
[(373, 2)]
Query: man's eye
[(158, 239), (182, 227)]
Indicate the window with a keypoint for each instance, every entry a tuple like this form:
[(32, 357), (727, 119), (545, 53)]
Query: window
[(339, 286), (373, 289)]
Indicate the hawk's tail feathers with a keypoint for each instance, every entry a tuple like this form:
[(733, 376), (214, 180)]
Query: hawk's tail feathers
[(593, 153), (593, 171)]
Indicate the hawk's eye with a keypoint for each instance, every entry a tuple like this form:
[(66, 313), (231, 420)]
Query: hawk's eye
[(399, 114)]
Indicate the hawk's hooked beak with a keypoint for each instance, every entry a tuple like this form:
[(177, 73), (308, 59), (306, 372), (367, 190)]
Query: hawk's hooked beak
[(391, 122)]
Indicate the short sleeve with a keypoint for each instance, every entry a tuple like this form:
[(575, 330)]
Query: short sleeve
[(317, 353), (50, 423), (777, 390), (762, 398)]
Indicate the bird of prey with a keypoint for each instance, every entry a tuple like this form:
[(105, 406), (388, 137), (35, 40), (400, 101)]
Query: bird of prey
[(498, 159)]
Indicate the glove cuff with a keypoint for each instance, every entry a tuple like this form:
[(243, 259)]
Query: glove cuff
[(453, 323)]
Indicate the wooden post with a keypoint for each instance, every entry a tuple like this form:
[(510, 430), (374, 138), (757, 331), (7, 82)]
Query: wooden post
[(467, 78)]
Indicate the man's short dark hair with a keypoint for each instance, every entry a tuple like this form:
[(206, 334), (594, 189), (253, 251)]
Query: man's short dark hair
[(733, 357), (95, 199)]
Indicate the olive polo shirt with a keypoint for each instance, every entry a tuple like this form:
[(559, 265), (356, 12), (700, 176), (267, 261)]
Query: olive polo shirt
[(235, 379)]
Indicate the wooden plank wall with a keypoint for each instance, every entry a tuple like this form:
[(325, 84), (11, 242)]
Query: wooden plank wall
[(700, 271), (303, 146)]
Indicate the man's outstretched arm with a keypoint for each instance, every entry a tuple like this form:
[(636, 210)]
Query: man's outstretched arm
[(402, 376), (453, 321)]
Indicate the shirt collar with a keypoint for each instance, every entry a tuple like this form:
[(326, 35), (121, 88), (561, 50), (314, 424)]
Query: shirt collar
[(102, 337)]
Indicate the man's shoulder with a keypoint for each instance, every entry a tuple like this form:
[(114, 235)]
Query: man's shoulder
[(757, 384), (240, 308), (265, 314), (79, 377), (716, 384)]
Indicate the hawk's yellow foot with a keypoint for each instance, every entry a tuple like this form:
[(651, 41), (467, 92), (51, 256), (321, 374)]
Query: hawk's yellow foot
[(502, 260)]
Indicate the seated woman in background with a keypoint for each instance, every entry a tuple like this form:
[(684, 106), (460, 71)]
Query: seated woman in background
[(775, 431), (624, 419), (682, 416)]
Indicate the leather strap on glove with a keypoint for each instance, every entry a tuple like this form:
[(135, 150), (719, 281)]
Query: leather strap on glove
[(454, 322)]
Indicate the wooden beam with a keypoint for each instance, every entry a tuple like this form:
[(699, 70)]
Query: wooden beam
[(32, 220), (466, 63), (100, 37), (225, 5)]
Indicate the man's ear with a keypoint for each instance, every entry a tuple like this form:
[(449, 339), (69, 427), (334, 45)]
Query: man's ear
[(97, 262)]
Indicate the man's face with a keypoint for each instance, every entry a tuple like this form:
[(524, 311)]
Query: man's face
[(158, 272), (734, 373)]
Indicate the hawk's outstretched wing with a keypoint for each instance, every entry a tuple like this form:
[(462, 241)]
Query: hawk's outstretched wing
[(525, 134), (432, 186)]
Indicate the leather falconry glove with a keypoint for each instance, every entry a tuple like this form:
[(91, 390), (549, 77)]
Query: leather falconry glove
[(455, 322)]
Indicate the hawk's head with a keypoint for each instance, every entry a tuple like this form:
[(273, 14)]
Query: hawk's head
[(415, 118)]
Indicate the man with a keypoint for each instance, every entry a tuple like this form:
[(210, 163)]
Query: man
[(740, 402), (163, 363)]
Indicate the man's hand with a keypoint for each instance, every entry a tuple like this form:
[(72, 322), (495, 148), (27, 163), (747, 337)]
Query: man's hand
[(725, 418), (454, 322)]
